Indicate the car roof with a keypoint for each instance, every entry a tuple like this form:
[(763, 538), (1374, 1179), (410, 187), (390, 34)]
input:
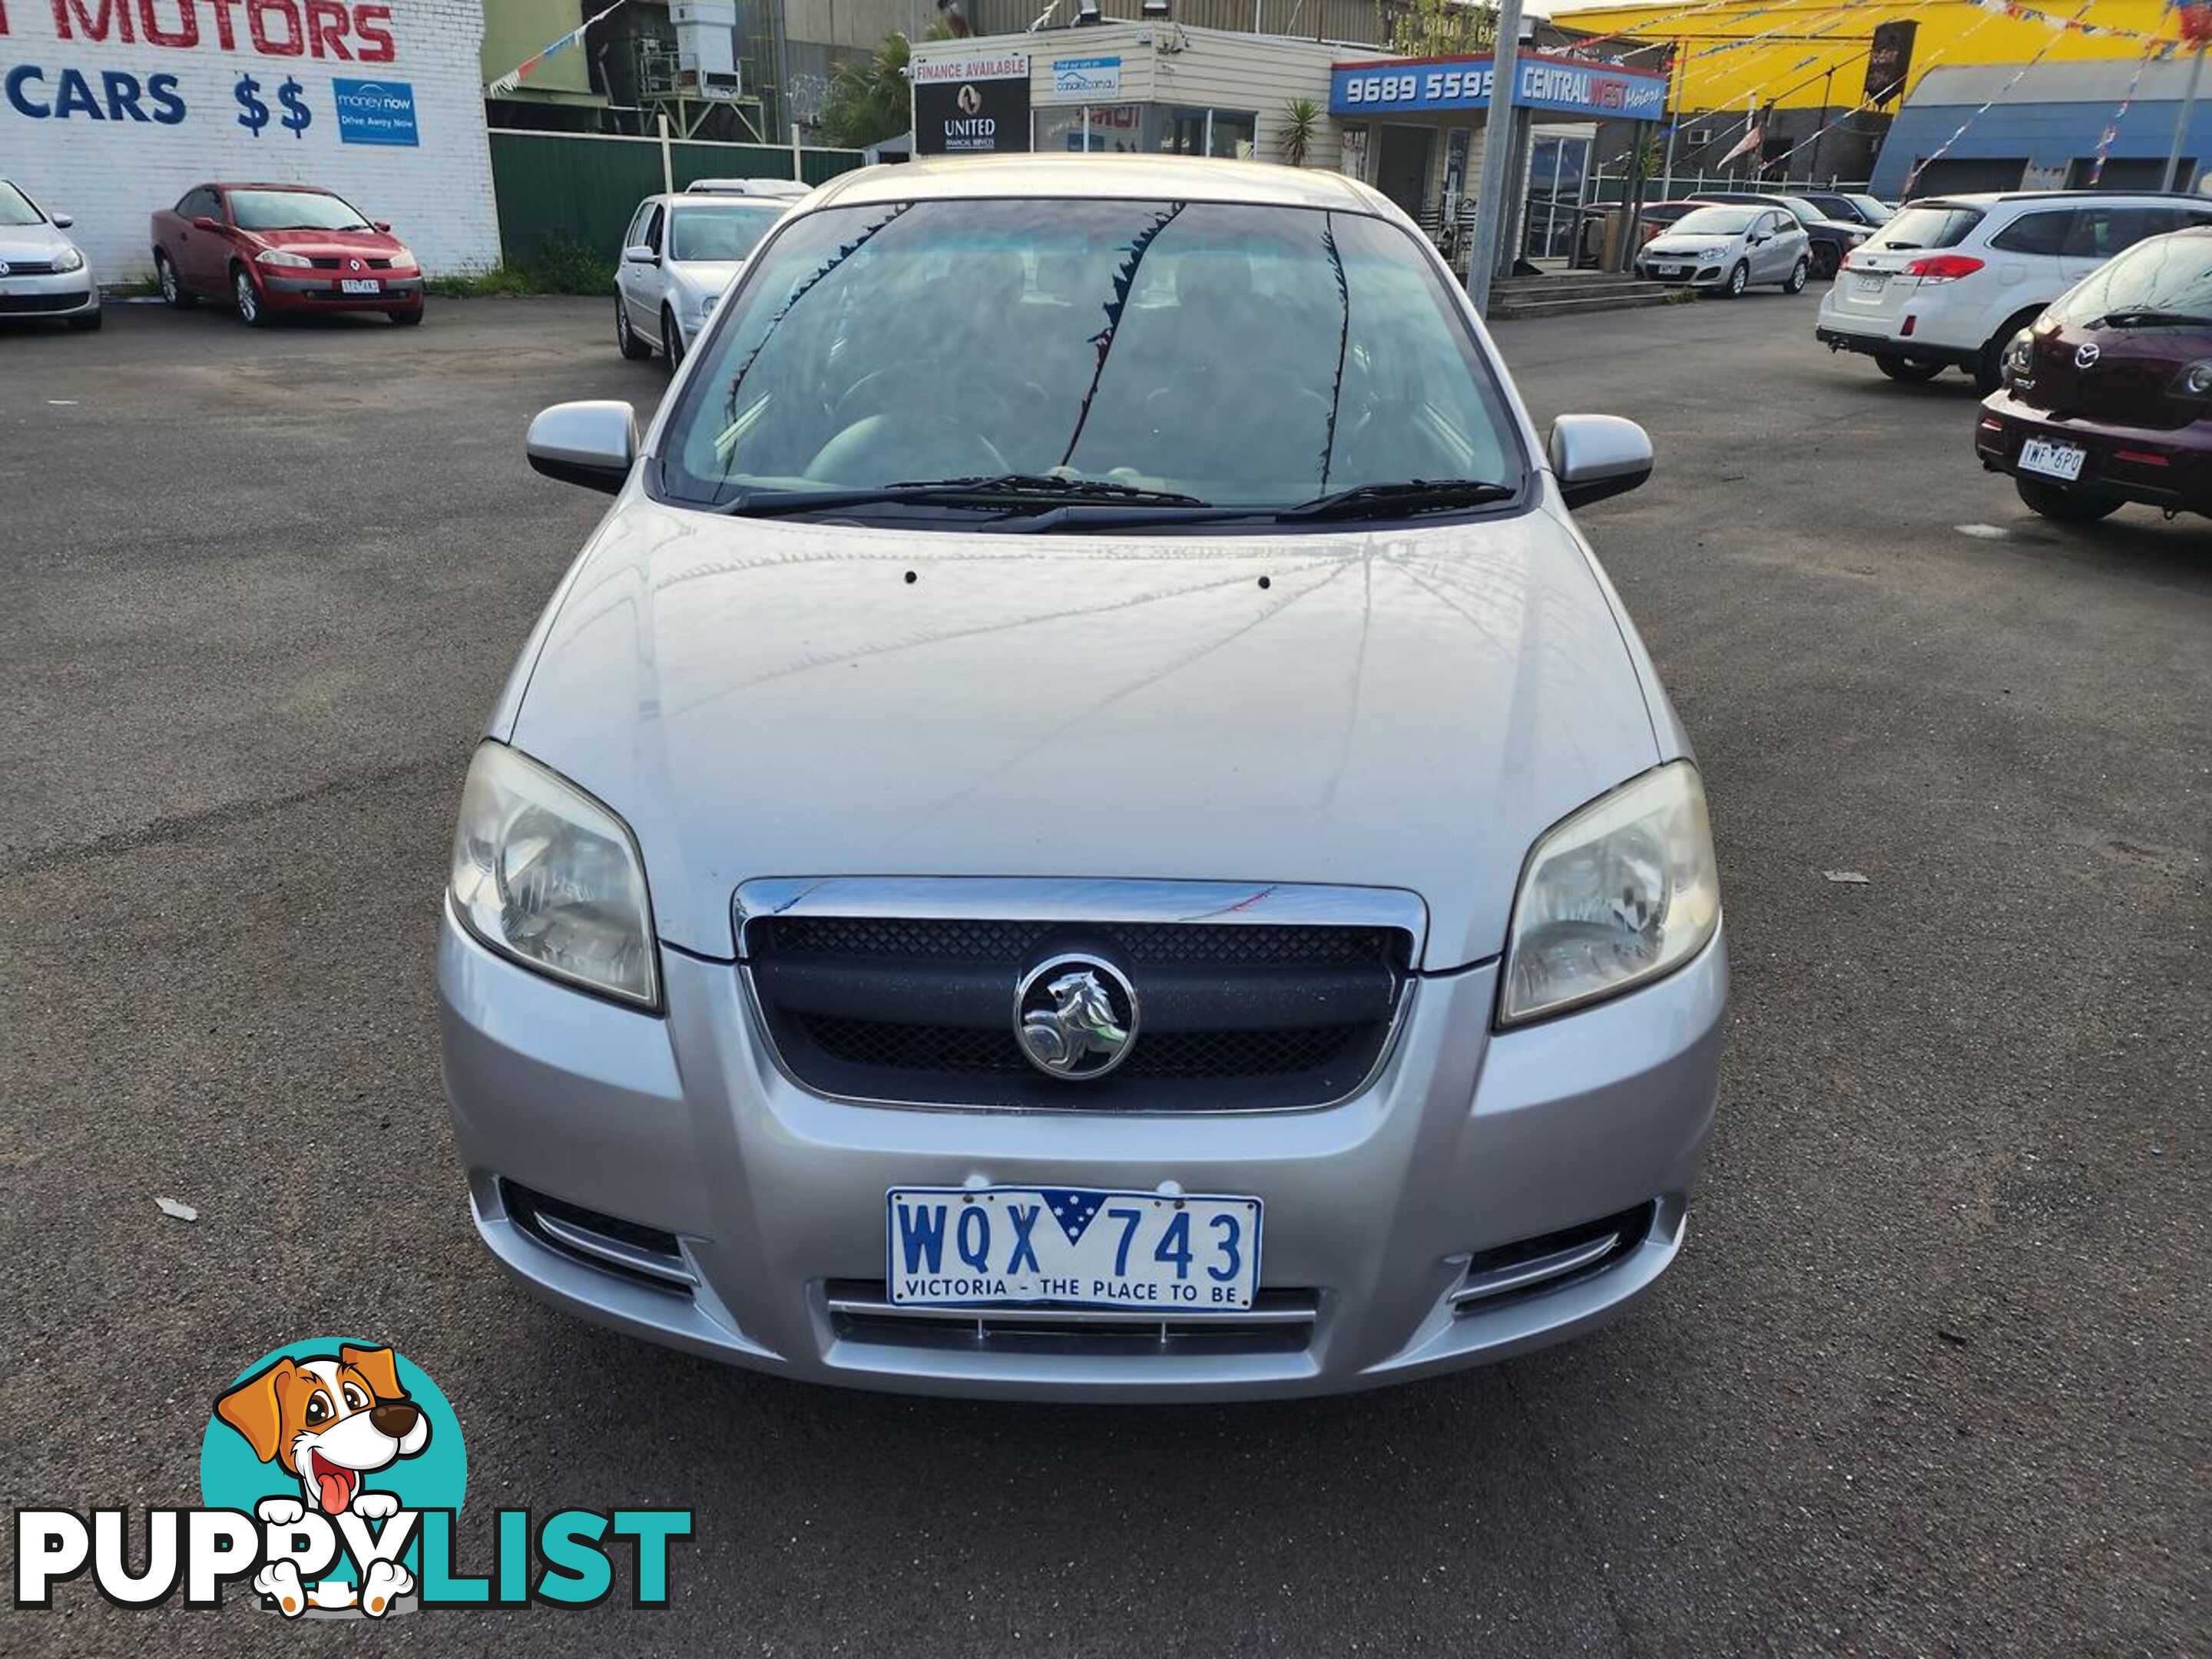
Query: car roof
[(788, 190), (1129, 178), (1986, 199), (253, 184)]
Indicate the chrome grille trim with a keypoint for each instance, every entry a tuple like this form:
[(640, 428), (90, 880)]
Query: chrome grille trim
[(1501, 1281), (1281, 1322), (1023, 898)]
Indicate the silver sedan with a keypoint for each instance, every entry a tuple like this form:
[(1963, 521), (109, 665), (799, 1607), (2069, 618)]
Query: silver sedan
[(1087, 826), (1729, 248)]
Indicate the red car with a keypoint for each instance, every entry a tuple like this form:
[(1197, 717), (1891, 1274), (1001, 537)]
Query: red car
[(273, 250), (2106, 397)]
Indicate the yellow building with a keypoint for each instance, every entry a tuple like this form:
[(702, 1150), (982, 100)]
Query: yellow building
[(1802, 54)]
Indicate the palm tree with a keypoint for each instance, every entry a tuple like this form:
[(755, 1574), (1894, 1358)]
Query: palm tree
[(1301, 121)]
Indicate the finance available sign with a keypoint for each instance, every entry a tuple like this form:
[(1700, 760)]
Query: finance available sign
[(971, 106)]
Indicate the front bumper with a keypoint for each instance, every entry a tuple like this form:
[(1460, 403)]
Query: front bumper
[(2155, 466), (1687, 273), (48, 293), (770, 1196), (305, 291)]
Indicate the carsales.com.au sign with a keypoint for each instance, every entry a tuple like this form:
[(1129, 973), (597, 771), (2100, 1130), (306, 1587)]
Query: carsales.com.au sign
[(61, 87)]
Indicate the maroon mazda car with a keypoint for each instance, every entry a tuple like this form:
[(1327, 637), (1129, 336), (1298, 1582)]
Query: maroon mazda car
[(2107, 396)]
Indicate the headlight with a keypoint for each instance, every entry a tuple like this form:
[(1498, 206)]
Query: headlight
[(277, 256), (1621, 892), (403, 258), (543, 873), (1710, 253), (69, 259), (2019, 357)]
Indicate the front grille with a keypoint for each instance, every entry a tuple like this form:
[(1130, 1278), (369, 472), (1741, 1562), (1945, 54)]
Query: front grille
[(25, 305), (30, 267), (1234, 1016), (1279, 1321)]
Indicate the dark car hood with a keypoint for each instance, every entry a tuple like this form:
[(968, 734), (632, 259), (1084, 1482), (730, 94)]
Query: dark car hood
[(768, 697), (2124, 380)]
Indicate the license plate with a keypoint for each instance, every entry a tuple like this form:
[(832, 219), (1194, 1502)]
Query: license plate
[(1867, 281), (2052, 461), (968, 1246), (1673, 271), (360, 285)]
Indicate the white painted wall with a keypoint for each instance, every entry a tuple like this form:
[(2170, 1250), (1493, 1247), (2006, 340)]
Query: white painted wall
[(112, 108)]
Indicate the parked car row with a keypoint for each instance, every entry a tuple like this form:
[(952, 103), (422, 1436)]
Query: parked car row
[(2085, 318), (43, 273)]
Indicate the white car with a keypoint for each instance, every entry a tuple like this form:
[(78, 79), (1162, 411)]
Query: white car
[(781, 190), (680, 254), (42, 272), (1949, 281), (1728, 247)]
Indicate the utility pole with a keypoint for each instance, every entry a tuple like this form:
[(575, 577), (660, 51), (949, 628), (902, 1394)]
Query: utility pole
[(1491, 211), (2181, 121), (1673, 110), (1827, 88)]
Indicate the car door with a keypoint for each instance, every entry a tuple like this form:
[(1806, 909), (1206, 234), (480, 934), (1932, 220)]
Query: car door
[(202, 256), (2101, 230), (630, 274), (1769, 248), (649, 285), (1791, 244)]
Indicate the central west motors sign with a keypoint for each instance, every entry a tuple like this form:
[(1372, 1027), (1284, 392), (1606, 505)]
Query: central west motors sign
[(971, 106), (1567, 85), (110, 109)]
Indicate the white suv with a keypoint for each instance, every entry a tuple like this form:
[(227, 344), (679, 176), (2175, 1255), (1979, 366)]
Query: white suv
[(1950, 280)]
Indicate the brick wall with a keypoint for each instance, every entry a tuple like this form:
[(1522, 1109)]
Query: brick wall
[(112, 108)]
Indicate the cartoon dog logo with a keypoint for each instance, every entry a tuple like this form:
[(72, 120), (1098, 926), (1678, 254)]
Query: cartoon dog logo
[(329, 1421)]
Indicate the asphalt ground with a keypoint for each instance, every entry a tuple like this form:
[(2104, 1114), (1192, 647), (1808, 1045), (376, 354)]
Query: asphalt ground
[(1931, 1376)]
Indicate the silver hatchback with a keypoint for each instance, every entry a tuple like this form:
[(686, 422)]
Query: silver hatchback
[(1087, 826), (1730, 247)]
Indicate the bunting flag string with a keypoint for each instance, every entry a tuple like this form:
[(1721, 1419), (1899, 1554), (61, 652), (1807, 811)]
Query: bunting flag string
[(2111, 131), (2077, 24), (2002, 93), (515, 78)]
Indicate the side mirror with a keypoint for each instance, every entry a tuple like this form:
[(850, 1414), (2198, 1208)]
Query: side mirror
[(202, 222), (592, 444), (1594, 456), (384, 225), (61, 221), (637, 253)]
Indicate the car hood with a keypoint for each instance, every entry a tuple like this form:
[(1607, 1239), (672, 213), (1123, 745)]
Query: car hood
[(326, 242), (708, 276), (1672, 243), (763, 697), (32, 242)]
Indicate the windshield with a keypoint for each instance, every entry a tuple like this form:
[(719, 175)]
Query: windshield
[(2167, 279), (1716, 222), (1927, 224), (15, 208), (718, 233), (1876, 210), (1239, 356), (292, 209)]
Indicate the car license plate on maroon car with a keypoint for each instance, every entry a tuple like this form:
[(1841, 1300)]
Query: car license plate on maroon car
[(360, 285), (2052, 461)]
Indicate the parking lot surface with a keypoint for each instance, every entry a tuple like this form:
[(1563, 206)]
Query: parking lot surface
[(1931, 1376)]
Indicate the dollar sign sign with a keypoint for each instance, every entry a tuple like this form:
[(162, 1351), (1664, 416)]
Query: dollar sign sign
[(255, 114), (296, 116)]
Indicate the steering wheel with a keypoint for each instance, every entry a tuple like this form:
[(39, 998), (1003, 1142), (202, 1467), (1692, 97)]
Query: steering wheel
[(882, 449), (920, 385)]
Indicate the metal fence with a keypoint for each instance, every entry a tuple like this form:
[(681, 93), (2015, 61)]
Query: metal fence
[(583, 187), (1673, 187)]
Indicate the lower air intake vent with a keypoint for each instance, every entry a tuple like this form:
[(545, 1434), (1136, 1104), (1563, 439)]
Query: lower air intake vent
[(1529, 1266), (607, 1242)]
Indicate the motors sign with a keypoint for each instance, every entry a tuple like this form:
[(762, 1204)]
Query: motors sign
[(110, 109), (971, 106), (1569, 85)]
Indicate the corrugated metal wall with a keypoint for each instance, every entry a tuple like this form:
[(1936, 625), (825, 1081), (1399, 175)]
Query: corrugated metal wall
[(1354, 20), (584, 187)]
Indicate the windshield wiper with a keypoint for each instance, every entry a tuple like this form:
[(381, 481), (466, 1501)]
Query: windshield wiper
[(1400, 496), (2149, 317), (997, 489)]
